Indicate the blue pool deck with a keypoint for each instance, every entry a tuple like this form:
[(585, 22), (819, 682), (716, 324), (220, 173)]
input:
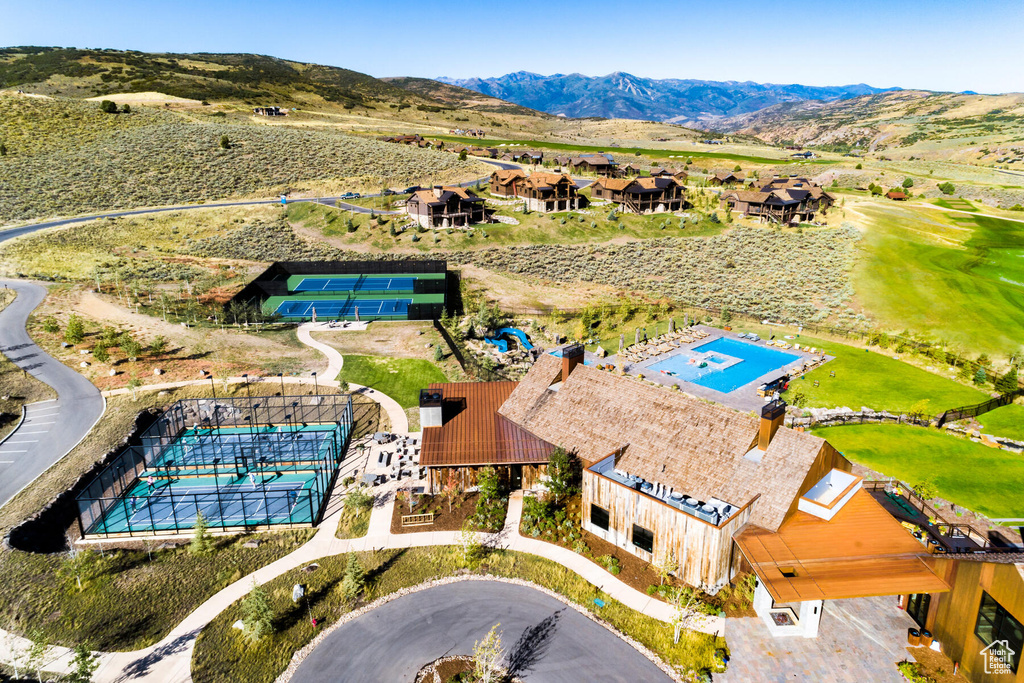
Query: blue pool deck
[(733, 368)]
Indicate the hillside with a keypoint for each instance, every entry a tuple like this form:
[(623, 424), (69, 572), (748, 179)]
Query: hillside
[(980, 128), (253, 79), (623, 95), (459, 98), (65, 156)]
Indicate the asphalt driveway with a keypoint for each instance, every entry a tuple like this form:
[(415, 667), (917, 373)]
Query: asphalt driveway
[(547, 641), (51, 428)]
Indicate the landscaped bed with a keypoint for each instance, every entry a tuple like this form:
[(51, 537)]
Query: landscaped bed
[(224, 654), (980, 478), (463, 508)]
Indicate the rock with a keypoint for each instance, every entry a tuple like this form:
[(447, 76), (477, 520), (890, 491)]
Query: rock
[(84, 352), (64, 345), (428, 345), (240, 625), (112, 373), (252, 545), (162, 393), (157, 371), (311, 568), (83, 364), (419, 333)]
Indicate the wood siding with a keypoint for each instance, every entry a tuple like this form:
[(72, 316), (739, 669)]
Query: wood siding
[(467, 476), (952, 616), (705, 553)]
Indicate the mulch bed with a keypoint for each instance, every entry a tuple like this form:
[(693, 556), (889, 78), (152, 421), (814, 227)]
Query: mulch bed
[(463, 506), (935, 665)]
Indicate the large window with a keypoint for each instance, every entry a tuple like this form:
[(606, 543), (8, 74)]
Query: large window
[(643, 538), (995, 623), (599, 517)]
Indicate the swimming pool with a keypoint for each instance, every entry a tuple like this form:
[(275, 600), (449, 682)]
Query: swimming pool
[(753, 362)]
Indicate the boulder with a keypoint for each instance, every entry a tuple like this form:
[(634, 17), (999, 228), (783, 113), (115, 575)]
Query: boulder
[(112, 373), (157, 371), (83, 364), (251, 545)]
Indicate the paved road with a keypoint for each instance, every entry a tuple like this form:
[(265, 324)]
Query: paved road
[(50, 429), (554, 643)]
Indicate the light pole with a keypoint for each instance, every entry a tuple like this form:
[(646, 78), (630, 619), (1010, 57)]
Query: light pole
[(280, 376), (213, 387), (316, 386)]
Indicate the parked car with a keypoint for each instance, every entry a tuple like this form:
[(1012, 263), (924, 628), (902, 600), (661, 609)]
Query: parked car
[(351, 195), (410, 190), (387, 192)]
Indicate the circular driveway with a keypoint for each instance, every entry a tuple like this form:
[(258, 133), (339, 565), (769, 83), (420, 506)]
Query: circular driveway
[(546, 641)]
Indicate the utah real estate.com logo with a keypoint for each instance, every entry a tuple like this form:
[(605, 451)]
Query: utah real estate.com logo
[(998, 656)]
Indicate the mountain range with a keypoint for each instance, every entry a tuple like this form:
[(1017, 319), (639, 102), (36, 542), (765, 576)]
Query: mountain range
[(622, 95)]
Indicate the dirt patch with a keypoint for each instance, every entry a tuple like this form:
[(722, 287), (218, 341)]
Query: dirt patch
[(935, 665), (463, 506), (399, 339), (514, 294)]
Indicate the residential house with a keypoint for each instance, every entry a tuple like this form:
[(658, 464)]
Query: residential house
[(270, 111), (600, 164), (528, 156), (415, 140), (485, 152), (446, 207), (726, 178), (641, 195), (779, 200), (631, 170), (544, 192), (562, 161)]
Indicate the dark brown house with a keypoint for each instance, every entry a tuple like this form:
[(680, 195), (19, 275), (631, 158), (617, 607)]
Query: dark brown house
[(504, 182), (446, 207), (779, 200), (726, 178), (598, 163), (641, 195)]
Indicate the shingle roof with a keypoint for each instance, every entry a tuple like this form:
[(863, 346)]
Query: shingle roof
[(506, 176), (695, 447), (616, 184)]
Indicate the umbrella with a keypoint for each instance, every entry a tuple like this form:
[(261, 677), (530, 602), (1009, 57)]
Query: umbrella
[(637, 340), (356, 309), (671, 325), (314, 314)]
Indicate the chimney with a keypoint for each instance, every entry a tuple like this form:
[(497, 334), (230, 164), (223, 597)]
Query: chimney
[(772, 416), (430, 408), (572, 355), (437, 191)]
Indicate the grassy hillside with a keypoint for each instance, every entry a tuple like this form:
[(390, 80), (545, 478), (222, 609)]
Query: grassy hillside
[(460, 98), (984, 129), (246, 77), (67, 157)]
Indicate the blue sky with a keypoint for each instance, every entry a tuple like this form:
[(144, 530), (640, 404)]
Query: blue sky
[(932, 44)]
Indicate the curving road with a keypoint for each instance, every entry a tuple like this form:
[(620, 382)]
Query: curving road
[(550, 642), (51, 428)]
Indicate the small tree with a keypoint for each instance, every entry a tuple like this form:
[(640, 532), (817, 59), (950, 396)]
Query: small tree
[(3, 150), (563, 473), (51, 325), (1008, 382), (926, 489), (462, 155), (158, 345), (108, 107), (133, 385), (736, 168), (908, 183), (202, 541), (725, 316), (257, 613), (355, 578), (452, 487), (980, 377), (225, 143), (438, 353), (100, 352), (666, 566), (130, 345), (126, 108), (487, 657), (36, 657), (469, 543), (683, 602), (74, 333), (83, 666)]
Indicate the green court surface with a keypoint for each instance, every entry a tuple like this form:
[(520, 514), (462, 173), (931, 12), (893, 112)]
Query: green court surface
[(256, 499), (240, 448)]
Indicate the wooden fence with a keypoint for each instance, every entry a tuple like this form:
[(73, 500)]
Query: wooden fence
[(418, 520)]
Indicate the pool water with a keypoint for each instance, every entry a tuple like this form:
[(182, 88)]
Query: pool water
[(754, 361)]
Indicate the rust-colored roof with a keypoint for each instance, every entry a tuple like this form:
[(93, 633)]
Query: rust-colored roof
[(507, 176), (474, 433), (615, 184), (548, 179), (861, 551), (695, 447)]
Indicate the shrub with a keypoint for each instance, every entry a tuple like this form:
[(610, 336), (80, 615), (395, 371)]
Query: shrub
[(257, 613), (908, 183), (126, 108), (75, 331), (947, 188), (926, 489), (610, 563), (859, 166), (225, 143), (158, 345), (50, 325), (100, 352), (108, 107), (130, 345)]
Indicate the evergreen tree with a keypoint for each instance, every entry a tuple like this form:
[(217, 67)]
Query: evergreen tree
[(355, 578), (225, 143), (100, 353), (980, 377), (108, 107), (562, 473), (1008, 382), (75, 331), (257, 613), (202, 542)]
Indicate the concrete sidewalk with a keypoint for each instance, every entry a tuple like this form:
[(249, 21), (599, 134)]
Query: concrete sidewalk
[(170, 660)]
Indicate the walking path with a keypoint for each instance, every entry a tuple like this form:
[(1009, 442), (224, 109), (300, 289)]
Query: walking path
[(169, 661), (50, 428)]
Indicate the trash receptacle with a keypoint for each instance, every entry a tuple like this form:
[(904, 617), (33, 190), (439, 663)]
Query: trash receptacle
[(913, 637), (926, 638)]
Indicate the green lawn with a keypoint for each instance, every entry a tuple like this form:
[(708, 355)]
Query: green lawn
[(399, 378), (866, 378), (958, 277), (980, 478), (1007, 421)]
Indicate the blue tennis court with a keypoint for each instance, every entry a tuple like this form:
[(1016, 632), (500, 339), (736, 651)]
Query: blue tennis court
[(243, 448), (332, 308), (356, 284), (254, 500)]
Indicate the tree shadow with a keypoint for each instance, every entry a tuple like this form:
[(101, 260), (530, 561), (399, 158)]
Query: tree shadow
[(152, 662), (372, 574), (532, 645), (306, 607)]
